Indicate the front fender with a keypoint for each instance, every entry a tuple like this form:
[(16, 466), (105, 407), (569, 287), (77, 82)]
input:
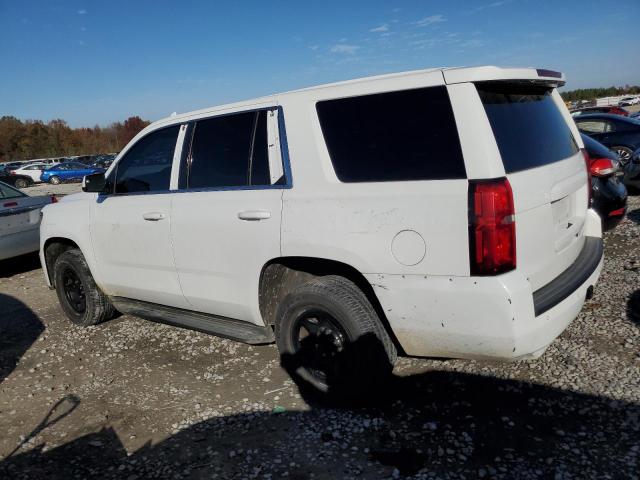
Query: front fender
[(68, 222)]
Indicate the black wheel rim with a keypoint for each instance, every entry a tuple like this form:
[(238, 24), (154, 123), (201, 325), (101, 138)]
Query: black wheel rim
[(318, 340), (74, 290)]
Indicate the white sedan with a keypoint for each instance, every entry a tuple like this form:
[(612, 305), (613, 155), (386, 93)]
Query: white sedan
[(20, 221), (33, 170)]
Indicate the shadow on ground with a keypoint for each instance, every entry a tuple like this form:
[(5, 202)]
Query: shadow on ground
[(446, 423), (633, 307), (634, 215), (17, 265), (19, 329)]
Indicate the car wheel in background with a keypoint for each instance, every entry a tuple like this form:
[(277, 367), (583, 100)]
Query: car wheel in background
[(54, 180), (21, 183), (330, 337), (624, 153), (81, 299)]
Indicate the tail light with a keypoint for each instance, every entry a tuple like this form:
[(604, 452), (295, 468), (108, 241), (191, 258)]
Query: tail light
[(601, 167), (587, 163), (54, 199), (492, 227)]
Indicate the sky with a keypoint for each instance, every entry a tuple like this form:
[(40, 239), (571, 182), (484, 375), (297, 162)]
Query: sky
[(95, 62)]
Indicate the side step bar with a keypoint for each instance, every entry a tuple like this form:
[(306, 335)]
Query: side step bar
[(230, 328)]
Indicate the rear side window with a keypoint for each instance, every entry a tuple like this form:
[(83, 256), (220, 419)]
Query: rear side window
[(230, 151), (528, 126), (406, 135), (146, 167), (592, 126)]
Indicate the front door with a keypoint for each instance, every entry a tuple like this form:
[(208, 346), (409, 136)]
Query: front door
[(130, 227)]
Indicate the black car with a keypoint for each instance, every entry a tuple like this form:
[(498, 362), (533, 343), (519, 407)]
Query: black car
[(620, 134), (608, 193), (18, 181)]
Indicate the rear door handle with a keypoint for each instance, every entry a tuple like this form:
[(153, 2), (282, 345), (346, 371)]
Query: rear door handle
[(252, 215), (153, 216)]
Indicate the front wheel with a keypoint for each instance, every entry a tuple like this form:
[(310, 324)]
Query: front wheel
[(54, 180), (330, 337), (81, 299)]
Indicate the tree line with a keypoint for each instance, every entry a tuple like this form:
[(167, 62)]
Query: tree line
[(593, 93), (26, 140)]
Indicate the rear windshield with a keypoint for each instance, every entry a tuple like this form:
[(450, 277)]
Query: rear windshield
[(529, 128)]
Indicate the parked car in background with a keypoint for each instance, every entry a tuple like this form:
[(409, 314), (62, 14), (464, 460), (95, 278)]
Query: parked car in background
[(13, 165), (391, 221), (631, 177), (629, 101), (612, 109), (608, 193), (33, 170), (620, 134), (18, 181), (19, 221), (68, 171), (103, 161)]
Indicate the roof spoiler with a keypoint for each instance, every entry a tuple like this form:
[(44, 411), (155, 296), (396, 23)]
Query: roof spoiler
[(497, 74)]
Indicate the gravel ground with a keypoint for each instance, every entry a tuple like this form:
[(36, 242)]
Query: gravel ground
[(133, 399), (48, 189)]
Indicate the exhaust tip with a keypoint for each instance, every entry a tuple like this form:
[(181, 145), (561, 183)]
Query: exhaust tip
[(589, 294)]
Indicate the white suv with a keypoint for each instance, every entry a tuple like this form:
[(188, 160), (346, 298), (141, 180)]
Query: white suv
[(439, 213)]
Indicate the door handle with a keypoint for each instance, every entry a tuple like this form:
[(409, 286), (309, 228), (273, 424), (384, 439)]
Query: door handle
[(252, 215), (153, 216)]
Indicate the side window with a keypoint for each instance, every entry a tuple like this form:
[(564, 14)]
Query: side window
[(146, 167), (230, 151), (610, 127), (592, 126), (406, 135)]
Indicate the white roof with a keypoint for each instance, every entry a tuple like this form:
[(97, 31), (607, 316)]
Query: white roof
[(450, 75)]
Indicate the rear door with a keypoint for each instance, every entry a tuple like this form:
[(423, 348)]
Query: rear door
[(547, 173), (226, 218)]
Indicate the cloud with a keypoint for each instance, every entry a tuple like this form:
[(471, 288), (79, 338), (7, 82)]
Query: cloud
[(382, 28), (430, 20), (344, 48), (474, 43), (82, 12), (314, 47), (495, 4), (396, 10)]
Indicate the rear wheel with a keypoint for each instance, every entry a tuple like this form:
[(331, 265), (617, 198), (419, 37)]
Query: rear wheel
[(79, 296), (331, 338), (54, 180), (624, 153)]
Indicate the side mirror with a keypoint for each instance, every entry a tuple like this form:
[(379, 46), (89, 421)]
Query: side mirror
[(94, 182)]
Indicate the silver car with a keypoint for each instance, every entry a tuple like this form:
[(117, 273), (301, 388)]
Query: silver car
[(19, 221)]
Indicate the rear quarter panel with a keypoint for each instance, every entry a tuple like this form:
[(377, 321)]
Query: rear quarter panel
[(356, 223)]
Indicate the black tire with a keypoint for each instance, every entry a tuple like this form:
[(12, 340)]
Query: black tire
[(79, 296), (360, 353), (21, 183), (54, 180), (624, 153)]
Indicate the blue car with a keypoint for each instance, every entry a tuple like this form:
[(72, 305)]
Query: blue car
[(67, 171)]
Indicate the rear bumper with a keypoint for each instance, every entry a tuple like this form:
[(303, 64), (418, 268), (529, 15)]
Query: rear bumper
[(485, 317)]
